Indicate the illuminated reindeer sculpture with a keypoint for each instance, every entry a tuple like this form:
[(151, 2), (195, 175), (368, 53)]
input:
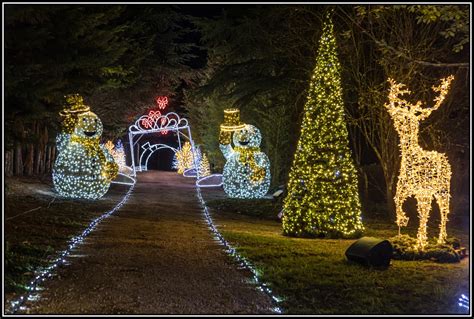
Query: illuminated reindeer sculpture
[(423, 174)]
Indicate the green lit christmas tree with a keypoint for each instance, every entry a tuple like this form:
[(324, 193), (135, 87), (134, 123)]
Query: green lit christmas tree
[(323, 197)]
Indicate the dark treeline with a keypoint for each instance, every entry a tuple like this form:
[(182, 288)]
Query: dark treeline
[(118, 57), (258, 58)]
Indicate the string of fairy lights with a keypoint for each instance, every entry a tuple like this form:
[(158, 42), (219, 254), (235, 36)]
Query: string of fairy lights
[(42, 275), (242, 261)]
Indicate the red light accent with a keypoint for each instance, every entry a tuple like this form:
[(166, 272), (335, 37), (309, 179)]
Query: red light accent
[(147, 122), (154, 114), (162, 102)]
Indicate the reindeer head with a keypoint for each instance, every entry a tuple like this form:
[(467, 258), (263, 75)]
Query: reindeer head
[(406, 116)]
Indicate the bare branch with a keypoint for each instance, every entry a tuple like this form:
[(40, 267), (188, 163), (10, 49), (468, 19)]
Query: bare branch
[(403, 55)]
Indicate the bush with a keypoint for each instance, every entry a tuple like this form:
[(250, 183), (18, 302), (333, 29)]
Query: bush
[(403, 249)]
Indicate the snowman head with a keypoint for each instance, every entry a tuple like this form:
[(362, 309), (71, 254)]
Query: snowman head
[(249, 136), (88, 125)]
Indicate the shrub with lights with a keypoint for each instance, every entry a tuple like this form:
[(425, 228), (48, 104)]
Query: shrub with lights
[(83, 168), (247, 170), (323, 198), (117, 152), (119, 155), (184, 158), (204, 169)]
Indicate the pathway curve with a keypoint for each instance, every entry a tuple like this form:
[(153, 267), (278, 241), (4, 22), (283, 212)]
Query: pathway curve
[(154, 256)]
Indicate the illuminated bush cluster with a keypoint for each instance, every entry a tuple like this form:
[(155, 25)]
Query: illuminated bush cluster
[(204, 169), (323, 197), (247, 170), (83, 168), (117, 152), (184, 158)]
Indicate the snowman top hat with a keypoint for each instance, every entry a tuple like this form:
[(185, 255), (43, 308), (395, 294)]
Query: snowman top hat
[(232, 120), (75, 105)]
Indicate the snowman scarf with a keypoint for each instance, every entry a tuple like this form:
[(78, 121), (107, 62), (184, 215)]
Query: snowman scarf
[(247, 156), (92, 147)]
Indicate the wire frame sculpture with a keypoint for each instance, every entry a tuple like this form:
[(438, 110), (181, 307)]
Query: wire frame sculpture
[(423, 174)]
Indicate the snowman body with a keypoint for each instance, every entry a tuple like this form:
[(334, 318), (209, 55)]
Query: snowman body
[(83, 167), (247, 170)]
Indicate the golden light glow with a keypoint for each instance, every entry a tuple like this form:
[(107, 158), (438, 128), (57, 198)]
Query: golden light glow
[(184, 157), (423, 174)]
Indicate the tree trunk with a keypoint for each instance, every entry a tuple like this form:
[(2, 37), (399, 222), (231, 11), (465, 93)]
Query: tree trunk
[(53, 158), (43, 160), (29, 162), (8, 163), (365, 185), (18, 160), (47, 158), (38, 158), (390, 193)]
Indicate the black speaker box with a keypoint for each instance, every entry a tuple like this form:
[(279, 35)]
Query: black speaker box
[(371, 251)]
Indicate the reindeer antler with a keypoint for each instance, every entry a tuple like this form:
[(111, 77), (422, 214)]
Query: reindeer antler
[(443, 90), (396, 89)]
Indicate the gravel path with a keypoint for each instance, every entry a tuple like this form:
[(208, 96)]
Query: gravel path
[(154, 256)]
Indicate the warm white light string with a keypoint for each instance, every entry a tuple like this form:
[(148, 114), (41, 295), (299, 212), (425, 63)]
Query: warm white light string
[(243, 262), (43, 274)]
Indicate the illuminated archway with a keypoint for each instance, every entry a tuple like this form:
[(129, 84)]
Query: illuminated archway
[(153, 123), (148, 151)]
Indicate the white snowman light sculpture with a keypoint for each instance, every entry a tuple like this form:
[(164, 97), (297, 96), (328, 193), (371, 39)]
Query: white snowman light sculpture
[(247, 170), (83, 168)]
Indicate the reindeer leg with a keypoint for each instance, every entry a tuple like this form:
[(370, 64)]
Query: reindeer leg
[(442, 198), (424, 207), (400, 197)]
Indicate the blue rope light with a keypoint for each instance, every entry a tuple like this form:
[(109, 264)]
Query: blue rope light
[(242, 261), (463, 301), (43, 274)]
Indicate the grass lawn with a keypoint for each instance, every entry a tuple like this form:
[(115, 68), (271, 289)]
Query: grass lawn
[(313, 276), (34, 236)]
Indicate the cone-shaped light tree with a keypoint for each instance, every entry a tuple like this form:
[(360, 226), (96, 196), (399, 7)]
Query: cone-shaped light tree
[(323, 196), (204, 169)]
